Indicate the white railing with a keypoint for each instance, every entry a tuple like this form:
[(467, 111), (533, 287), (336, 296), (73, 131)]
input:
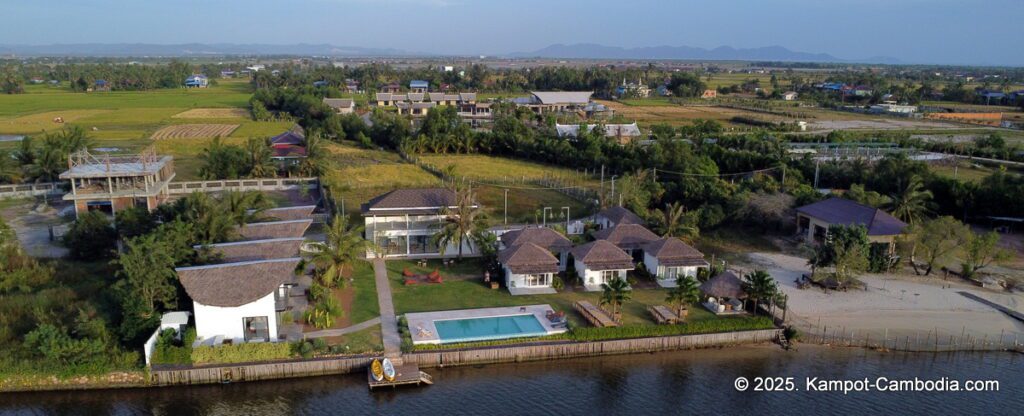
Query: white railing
[(32, 189), (273, 184)]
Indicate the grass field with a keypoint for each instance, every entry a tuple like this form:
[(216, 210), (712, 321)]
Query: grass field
[(463, 288), (497, 169)]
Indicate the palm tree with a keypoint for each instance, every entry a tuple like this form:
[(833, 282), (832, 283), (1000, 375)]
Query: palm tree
[(342, 249), (260, 163), (614, 293), (311, 164), (760, 286), (461, 225), (674, 221), (686, 292), (244, 206), (10, 171), (911, 204)]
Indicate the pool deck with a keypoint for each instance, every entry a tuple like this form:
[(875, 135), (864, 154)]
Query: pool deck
[(423, 331)]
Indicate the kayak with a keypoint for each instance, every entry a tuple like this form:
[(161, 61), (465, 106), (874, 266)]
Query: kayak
[(389, 370), (377, 370)]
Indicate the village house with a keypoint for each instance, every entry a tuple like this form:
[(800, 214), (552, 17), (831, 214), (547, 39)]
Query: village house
[(113, 183), (402, 223), (101, 86), (623, 133), (418, 104), (529, 269), (238, 301), (352, 86), (813, 220), (543, 102), (288, 148), (392, 88), (197, 81), (891, 107), (418, 86), (341, 105), (543, 237), (599, 262), (709, 94), (612, 216), (669, 258), (789, 95)]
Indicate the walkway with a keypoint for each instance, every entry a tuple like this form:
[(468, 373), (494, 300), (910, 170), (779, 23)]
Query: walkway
[(342, 331), (388, 322)]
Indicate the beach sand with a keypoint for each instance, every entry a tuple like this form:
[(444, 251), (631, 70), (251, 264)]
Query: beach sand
[(899, 304)]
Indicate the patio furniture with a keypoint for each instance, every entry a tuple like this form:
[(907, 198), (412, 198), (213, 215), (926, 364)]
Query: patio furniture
[(596, 316), (663, 315), (407, 273), (494, 285)]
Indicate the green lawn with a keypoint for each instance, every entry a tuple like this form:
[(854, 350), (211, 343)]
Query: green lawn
[(461, 293), (364, 304)]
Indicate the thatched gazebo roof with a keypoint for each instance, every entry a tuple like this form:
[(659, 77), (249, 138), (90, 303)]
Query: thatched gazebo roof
[(725, 285)]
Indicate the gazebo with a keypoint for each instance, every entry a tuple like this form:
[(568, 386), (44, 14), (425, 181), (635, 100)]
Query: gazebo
[(724, 286)]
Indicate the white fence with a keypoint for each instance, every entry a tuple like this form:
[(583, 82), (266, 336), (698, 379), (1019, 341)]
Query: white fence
[(33, 189), (275, 184)]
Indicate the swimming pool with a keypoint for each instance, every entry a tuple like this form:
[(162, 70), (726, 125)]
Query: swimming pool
[(489, 328)]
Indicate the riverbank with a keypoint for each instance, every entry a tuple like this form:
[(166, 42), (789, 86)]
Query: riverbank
[(689, 381)]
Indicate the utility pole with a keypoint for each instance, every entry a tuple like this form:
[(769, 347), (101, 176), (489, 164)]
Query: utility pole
[(613, 185), (655, 175), (783, 187), (817, 162), (544, 213), (602, 178), (506, 206)]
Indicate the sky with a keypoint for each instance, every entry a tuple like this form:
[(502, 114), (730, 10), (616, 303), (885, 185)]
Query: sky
[(979, 32)]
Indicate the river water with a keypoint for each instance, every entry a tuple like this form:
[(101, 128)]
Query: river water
[(686, 382)]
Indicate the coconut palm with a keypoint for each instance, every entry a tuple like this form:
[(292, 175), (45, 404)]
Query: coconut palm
[(245, 206), (211, 222), (10, 171), (674, 221), (760, 285), (614, 294), (686, 292), (462, 225), (911, 204), (342, 249), (311, 165), (259, 153)]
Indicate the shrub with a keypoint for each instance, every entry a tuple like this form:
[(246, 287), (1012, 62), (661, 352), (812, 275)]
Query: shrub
[(643, 331), (557, 283), (91, 237), (240, 353), (791, 333)]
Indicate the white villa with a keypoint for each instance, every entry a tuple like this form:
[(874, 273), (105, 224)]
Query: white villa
[(238, 301), (529, 269), (543, 237), (600, 262), (402, 223), (629, 237), (670, 258)]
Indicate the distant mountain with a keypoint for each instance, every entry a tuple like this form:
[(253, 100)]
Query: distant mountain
[(194, 49), (721, 53)]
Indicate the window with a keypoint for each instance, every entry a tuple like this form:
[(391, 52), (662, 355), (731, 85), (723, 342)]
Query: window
[(536, 279), (609, 275), (256, 328), (671, 273)]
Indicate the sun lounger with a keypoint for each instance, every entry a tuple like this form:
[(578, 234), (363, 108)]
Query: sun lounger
[(663, 315), (596, 316)]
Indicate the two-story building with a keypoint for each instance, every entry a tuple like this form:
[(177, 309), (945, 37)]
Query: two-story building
[(403, 222), (114, 183)]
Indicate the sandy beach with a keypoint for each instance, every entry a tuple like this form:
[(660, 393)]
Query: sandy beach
[(900, 304)]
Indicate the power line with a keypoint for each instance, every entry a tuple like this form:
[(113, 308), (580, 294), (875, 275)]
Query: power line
[(719, 174)]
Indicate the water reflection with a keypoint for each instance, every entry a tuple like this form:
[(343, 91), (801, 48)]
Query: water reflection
[(671, 383)]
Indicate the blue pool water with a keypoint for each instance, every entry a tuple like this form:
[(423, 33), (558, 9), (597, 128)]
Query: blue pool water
[(481, 329)]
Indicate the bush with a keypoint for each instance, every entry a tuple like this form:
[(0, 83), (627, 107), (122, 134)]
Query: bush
[(557, 283), (791, 333), (169, 350), (240, 353), (91, 237), (700, 327)]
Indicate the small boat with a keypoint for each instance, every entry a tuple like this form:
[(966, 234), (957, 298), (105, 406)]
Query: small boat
[(377, 370), (389, 370)]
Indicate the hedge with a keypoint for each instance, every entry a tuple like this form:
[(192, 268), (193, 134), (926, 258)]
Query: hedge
[(699, 327), (240, 353)]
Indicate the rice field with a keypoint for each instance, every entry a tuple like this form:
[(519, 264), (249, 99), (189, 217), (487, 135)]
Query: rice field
[(500, 170), (188, 131)]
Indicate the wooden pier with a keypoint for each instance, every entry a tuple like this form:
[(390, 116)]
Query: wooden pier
[(405, 375)]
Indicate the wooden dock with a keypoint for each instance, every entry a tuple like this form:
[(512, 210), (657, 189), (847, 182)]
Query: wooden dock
[(405, 375)]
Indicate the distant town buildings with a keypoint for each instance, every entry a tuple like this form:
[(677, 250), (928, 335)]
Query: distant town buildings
[(623, 132)]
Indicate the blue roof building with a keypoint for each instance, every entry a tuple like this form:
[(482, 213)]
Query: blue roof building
[(197, 81), (417, 85)]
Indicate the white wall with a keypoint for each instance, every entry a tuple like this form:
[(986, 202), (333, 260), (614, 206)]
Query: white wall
[(586, 274), (520, 279), (652, 265), (214, 320)]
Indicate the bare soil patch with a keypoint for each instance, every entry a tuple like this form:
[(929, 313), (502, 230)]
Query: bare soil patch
[(188, 131), (213, 113)]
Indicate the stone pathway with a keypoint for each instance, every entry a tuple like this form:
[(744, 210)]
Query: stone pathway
[(342, 331), (388, 321)]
